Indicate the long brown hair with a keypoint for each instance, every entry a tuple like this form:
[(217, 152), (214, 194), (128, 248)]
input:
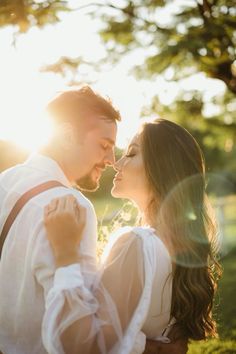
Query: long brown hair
[(175, 168)]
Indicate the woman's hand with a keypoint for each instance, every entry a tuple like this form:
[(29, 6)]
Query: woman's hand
[(64, 220)]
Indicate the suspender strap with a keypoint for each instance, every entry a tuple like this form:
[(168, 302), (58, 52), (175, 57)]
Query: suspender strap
[(19, 205)]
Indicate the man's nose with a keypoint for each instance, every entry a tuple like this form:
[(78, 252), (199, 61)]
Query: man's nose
[(110, 158)]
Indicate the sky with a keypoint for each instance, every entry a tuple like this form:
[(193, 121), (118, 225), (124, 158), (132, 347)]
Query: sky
[(25, 90)]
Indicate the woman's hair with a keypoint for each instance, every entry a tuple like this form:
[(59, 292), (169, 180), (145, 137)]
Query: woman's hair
[(175, 169)]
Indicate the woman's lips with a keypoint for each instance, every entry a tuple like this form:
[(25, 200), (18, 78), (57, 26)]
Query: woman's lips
[(117, 178)]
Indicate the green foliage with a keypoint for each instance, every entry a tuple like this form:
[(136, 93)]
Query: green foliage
[(216, 135), (121, 32), (226, 304), (199, 35), (225, 313), (213, 347), (27, 13)]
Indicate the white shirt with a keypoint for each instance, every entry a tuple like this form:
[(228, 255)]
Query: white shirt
[(27, 264)]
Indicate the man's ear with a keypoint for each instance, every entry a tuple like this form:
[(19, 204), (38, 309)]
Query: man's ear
[(66, 135)]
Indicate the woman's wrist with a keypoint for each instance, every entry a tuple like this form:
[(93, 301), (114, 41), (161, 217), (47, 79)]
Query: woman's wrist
[(63, 259)]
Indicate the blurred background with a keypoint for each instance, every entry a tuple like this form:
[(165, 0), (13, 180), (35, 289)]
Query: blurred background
[(154, 58)]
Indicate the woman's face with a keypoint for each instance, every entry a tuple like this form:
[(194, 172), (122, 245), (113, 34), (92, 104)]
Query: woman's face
[(130, 180)]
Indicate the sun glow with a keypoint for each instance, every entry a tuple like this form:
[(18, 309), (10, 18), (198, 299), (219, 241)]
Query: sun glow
[(24, 93), (24, 90), (23, 122), (26, 134)]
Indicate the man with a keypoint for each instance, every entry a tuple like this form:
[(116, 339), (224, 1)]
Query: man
[(81, 146)]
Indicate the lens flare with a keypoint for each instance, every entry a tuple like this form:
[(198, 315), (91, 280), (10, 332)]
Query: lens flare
[(194, 206)]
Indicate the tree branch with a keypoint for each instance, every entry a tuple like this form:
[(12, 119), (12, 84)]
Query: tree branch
[(97, 5)]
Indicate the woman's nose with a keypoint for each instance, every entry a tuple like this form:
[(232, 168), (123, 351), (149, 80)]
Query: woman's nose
[(118, 164)]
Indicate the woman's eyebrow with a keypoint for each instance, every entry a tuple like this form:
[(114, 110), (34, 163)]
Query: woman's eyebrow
[(133, 144)]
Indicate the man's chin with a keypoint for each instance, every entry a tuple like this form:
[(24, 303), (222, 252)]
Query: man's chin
[(86, 184)]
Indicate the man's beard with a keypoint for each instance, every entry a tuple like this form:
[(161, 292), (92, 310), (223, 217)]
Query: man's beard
[(87, 184)]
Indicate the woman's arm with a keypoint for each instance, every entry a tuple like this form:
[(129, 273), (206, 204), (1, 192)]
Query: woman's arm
[(81, 320), (77, 318)]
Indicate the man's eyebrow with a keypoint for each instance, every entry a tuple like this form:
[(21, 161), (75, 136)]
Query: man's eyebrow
[(112, 142)]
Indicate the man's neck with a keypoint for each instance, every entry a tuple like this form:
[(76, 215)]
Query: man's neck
[(55, 155)]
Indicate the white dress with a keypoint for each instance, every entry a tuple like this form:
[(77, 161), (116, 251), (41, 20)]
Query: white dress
[(130, 299)]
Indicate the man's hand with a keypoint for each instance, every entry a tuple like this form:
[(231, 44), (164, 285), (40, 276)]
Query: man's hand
[(64, 221)]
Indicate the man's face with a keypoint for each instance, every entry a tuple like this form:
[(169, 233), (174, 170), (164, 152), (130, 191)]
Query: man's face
[(95, 152)]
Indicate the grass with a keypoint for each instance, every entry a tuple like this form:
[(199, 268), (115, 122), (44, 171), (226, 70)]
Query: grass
[(213, 347), (225, 310)]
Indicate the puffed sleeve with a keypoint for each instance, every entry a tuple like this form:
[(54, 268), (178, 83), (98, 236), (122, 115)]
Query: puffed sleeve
[(79, 319)]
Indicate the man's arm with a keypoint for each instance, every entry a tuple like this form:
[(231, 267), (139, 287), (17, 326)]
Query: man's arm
[(42, 258)]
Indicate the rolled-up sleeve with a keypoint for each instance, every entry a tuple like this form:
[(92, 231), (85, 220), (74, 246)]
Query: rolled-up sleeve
[(42, 259)]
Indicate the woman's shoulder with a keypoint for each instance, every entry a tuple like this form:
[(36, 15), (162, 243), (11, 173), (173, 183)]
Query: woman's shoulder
[(149, 235), (141, 241), (129, 231), (144, 235)]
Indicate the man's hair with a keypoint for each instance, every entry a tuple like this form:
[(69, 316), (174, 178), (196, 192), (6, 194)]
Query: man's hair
[(70, 105)]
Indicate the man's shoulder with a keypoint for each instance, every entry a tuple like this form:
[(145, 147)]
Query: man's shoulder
[(44, 198), (10, 171), (82, 199)]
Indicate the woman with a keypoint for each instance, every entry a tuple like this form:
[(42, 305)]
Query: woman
[(152, 276)]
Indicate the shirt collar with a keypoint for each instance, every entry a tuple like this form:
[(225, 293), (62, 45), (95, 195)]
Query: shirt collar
[(48, 165)]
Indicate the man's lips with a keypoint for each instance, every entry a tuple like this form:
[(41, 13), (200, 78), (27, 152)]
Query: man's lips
[(100, 169)]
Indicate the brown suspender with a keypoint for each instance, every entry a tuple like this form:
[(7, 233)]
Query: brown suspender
[(19, 205)]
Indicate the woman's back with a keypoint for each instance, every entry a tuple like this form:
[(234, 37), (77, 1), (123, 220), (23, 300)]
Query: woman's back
[(150, 261), (159, 309)]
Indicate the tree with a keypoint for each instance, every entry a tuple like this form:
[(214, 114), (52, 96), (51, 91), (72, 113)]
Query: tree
[(27, 13), (216, 138), (199, 37)]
